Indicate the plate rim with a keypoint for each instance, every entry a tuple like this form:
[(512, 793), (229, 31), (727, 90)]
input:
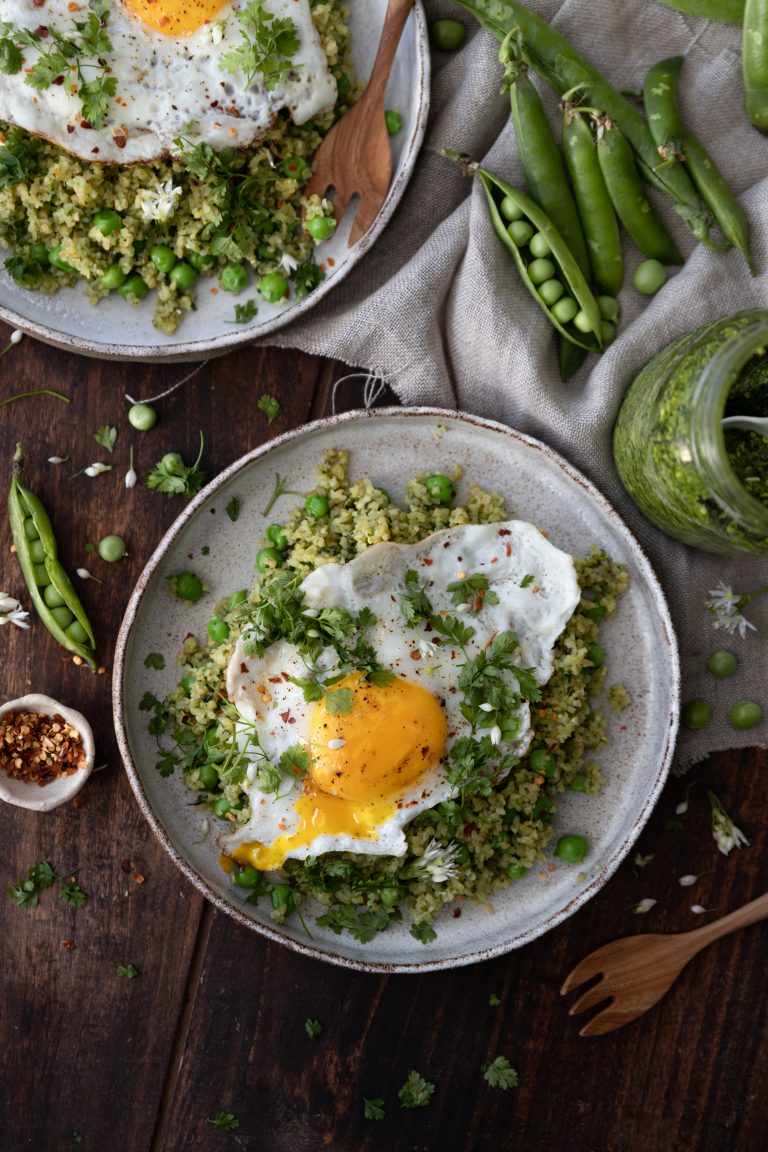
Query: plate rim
[(190, 350), (607, 868)]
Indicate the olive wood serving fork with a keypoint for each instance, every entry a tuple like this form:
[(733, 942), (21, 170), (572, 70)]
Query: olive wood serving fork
[(638, 970), (356, 155)]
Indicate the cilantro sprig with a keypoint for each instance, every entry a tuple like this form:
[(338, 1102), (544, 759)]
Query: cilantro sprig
[(499, 1073), (267, 46), (416, 1092), (40, 876), (173, 477)]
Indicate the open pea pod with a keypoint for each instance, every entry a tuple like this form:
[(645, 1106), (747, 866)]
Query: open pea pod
[(65, 589), (567, 269)]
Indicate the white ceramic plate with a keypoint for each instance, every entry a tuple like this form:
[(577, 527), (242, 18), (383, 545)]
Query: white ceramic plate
[(389, 445), (115, 330)]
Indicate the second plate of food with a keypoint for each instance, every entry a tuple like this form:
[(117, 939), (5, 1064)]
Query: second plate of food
[(447, 739)]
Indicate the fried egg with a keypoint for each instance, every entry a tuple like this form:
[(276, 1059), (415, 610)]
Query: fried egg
[(166, 57), (374, 768)]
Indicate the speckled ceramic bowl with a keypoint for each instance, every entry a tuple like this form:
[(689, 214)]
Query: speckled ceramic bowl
[(115, 330), (48, 796), (390, 446)]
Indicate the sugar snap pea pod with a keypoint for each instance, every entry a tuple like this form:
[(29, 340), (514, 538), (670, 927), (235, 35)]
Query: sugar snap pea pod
[(754, 62), (30, 523), (601, 227), (628, 197), (661, 112), (550, 54), (725, 11)]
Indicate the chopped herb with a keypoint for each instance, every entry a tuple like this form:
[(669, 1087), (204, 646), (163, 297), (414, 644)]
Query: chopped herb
[(640, 861), (674, 826), (414, 602), (416, 1092), (294, 761), (306, 278), (225, 1121), (267, 49), (128, 970), (270, 405), (154, 660), (373, 1109), (106, 436), (472, 592), (499, 1073), (493, 1000), (313, 1028), (526, 581), (279, 490), (41, 876), (18, 154), (363, 926), (73, 894), (340, 701), (172, 476), (160, 714), (245, 312), (233, 509), (205, 549), (423, 932)]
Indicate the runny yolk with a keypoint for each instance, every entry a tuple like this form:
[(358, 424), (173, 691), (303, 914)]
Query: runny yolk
[(175, 17), (362, 761)]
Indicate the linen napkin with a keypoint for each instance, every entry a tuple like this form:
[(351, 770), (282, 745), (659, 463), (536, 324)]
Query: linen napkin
[(437, 309)]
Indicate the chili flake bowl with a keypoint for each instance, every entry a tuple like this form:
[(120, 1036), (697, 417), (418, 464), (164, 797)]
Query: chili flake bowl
[(45, 797)]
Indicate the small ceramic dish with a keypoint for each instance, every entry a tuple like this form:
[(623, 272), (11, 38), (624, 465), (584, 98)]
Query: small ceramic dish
[(45, 797)]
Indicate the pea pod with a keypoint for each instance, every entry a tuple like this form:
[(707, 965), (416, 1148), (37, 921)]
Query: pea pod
[(595, 208), (754, 62), (659, 98), (726, 11), (29, 523), (550, 54), (627, 194), (570, 358)]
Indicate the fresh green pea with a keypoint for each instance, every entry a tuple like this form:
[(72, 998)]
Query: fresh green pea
[(133, 285), (183, 275), (209, 776), (596, 612), (520, 231), (745, 714), (276, 536), (283, 898), (52, 597), (236, 598), (37, 550), (609, 308), (247, 877), (142, 417), (42, 579), (515, 871), (199, 260), (162, 257), (722, 663), (268, 558), (582, 322), (218, 629), (579, 783), (696, 714), (394, 121), (510, 209), (54, 258), (539, 245), (390, 897), (447, 35), (233, 278), (316, 506), (188, 586), (186, 683), (542, 807), (76, 632), (541, 761), (320, 228), (541, 270), (112, 548), (30, 531), (649, 277), (551, 291), (572, 848), (440, 488), (107, 221), (607, 331), (222, 806), (173, 463), (596, 654), (113, 277), (273, 287), (62, 615), (565, 309)]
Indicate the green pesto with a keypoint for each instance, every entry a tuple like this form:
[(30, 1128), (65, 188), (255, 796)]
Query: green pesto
[(748, 451)]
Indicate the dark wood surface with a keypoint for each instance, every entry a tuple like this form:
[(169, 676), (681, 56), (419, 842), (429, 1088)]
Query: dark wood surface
[(216, 1018)]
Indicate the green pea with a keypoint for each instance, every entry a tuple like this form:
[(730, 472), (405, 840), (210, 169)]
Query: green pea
[(52, 596), (188, 586), (440, 488), (551, 291), (722, 663), (113, 277), (133, 285), (233, 278), (696, 714), (142, 417), (596, 612), (182, 275), (294, 166), (273, 287), (565, 309), (55, 259), (222, 806), (596, 654), (316, 506), (609, 308), (390, 897), (162, 257), (745, 714), (41, 575), (173, 463), (30, 531), (38, 251), (107, 221), (247, 877), (320, 228), (62, 615), (541, 761), (649, 277), (447, 35), (237, 598), (112, 548), (276, 536), (582, 321), (515, 871), (199, 260), (186, 683), (209, 777), (218, 629), (36, 551), (268, 558), (76, 632), (539, 245), (579, 783), (607, 331), (520, 232), (282, 897), (572, 848), (542, 807), (394, 121), (510, 209)]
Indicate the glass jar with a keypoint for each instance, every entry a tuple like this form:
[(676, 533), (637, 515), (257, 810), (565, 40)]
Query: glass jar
[(668, 443)]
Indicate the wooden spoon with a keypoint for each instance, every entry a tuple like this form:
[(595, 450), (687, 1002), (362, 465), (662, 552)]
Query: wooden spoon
[(356, 155), (639, 970)]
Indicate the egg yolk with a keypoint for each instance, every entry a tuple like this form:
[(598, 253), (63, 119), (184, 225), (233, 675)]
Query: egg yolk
[(361, 762), (175, 17)]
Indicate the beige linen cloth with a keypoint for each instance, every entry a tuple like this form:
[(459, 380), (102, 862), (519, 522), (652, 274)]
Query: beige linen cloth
[(437, 308)]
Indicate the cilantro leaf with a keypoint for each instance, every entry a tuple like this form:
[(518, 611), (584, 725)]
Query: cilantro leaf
[(73, 894), (42, 874), (416, 1092), (245, 312), (493, 1000), (423, 932), (373, 1109), (306, 278), (233, 509), (172, 476), (154, 660), (414, 602), (294, 761), (270, 405), (473, 592), (499, 1073), (225, 1121), (526, 580), (362, 925), (340, 701), (267, 48), (313, 1028), (128, 970)]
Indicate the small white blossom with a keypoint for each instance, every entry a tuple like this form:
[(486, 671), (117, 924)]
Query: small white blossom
[(16, 336), (463, 608), (130, 476), (287, 263), (486, 707), (336, 745), (250, 772), (687, 881), (97, 469), (439, 861), (698, 909), (57, 459), (725, 605), (644, 906), (11, 611), (161, 203), (312, 613), (495, 735), (682, 808), (727, 835), (84, 574), (427, 649), (313, 633)]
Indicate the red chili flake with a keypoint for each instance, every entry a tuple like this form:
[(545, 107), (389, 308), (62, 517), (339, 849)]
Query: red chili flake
[(58, 81), (120, 141), (70, 128), (427, 562), (505, 532), (478, 600), (285, 716), (85, 124), (69, 945), (292, 720), (138, 878), (508, 549), (331, 262), (494, 559), (126, 866), (447, 544), (415, 654), (470, 829), (41, 31), (244, 668), (456, 913), (286, 677), (275, 679)]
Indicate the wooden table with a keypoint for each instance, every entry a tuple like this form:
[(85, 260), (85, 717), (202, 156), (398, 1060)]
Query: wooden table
[(215, 1020)]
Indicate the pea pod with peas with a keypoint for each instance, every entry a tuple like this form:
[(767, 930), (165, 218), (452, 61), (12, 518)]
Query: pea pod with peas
[(52, 592)]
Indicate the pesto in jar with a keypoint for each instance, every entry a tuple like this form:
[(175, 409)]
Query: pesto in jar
[(748, 451)]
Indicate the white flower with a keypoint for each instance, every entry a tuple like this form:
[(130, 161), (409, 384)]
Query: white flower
[(725, 832), (336, 745), (486, 707), (687, 881), (644, 906), (130, 476), (161, 204), (439, 860), (287, 263), (725, 605), (427, 649), (84, 574), (682, 808), (57, 459), (698, 909), (313, 633), (495, 735), (463, 608), (97, 468), (16, 336), (11, 611)]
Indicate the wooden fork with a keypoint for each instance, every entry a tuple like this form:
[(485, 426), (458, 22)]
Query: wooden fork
[(356, 155), (639, 970)]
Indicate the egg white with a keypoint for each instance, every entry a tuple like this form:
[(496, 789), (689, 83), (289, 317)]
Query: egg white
[(537, 593)]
